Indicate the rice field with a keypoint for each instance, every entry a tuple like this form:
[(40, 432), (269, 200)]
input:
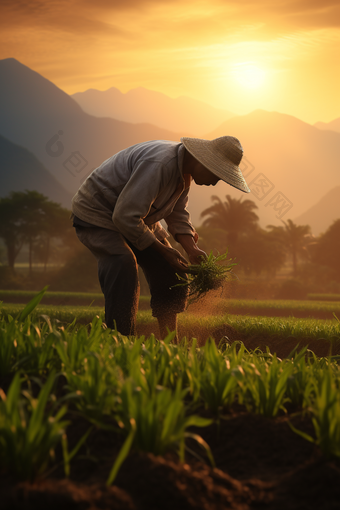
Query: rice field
[(193, 324), (117, 422), (321, 306)]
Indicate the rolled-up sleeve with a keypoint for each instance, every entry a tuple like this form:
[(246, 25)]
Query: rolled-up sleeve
[(159, 231), (135, 201), (179, 220)]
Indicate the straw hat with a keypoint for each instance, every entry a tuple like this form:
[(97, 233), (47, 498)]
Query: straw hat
[(221, 156)]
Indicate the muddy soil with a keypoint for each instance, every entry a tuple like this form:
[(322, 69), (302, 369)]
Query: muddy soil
[(260, 464)]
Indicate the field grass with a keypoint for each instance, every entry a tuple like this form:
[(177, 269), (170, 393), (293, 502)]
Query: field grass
[(144, 385), (324, 297), (193, 325), (294, 308), (61, 298), (65, 386), (317, 304), (28, 294)]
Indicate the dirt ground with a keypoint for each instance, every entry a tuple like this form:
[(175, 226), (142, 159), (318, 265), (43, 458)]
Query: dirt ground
[(260, 464)]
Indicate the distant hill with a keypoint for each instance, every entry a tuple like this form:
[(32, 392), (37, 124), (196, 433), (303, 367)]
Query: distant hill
[(20, 170), (37, 115), (294, 162), (334, 125), (183, 115), (321, 215), (288, 164)]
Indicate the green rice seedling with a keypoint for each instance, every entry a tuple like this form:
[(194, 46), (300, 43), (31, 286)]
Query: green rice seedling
[(8, 344), (218, 380), (30, 429), (32, 305), (37, 359), (190, 362), (265, 384), (160, 417), (26, 346), (74, 345), (299, 383), (325, 411), (95, 388), (164, 363), (206, 276), (125, 353), (157, 363), (156, 422), (307, 374)]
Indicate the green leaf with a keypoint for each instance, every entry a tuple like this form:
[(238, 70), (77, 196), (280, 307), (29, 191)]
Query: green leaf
[(124, 452), (32, 305), (204, 445)]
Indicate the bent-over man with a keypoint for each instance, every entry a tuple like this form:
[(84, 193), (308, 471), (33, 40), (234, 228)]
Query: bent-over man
[(117, 213)]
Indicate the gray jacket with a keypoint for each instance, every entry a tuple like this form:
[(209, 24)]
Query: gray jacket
[(135, 189)]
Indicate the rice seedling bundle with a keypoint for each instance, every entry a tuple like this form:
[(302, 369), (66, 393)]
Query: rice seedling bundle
[(209, 275)]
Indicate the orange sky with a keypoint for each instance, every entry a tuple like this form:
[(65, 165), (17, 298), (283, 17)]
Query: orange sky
[(238, 56)]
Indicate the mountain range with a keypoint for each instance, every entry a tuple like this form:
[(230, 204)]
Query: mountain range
[(183, 114), (37, 115), (287, 163), (20, 170), (321, 215), (334, 125)]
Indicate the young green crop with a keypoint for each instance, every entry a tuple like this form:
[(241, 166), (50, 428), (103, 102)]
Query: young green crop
[(206, 276), (94, 388), (324, 406), (264, 384), (29, 433), (156, 422), (154, 390), (218, 381)]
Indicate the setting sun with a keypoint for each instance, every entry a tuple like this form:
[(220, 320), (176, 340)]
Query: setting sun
[(249, 75)]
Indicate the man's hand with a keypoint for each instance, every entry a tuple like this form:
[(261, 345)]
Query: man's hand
[(195, 254), (174, 257)]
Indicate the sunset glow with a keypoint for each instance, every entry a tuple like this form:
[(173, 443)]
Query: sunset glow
[(234, 56), (249, 75)]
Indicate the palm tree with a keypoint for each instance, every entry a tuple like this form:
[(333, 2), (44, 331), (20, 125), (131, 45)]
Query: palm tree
[(234, 216), (294, 239)]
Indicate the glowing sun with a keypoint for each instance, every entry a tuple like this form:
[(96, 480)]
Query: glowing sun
[(249, 75)]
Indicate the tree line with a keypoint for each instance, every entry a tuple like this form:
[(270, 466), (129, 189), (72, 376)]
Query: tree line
[(234, 224), (31, 218)]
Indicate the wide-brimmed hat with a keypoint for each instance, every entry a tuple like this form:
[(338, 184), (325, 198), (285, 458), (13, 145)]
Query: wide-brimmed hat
[(221, 156)]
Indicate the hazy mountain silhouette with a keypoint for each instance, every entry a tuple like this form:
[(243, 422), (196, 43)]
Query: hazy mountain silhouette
[(37, 115), (20, 170), (282, 156), (321, 215), (183, 115), (293, 158), (334, 125)]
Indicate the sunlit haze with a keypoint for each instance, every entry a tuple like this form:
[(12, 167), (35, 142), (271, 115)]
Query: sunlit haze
[(235, 56)]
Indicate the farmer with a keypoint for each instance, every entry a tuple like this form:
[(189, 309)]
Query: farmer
[(117, 213)]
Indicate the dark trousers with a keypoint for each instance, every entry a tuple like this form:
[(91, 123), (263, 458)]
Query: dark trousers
[(118, 262)]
